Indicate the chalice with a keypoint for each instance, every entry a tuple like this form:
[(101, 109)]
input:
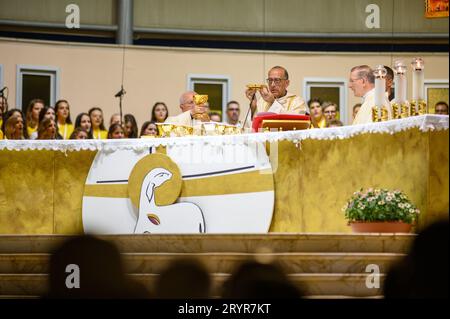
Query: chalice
[(199, 110)]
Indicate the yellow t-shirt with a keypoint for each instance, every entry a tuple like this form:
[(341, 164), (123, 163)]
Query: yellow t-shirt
[(100, 134), (65, 130), (31, 130), (322, 123)]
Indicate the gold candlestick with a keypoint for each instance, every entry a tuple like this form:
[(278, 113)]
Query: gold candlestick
[(384, 114), (405, 110), (418, 107), (378, 116), (400, 110), (396, 111)]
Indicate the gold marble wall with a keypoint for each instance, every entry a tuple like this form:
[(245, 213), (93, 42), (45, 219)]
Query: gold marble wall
[(41, 191), (314, 180), (438, 178), (71, 170), (26, 192)]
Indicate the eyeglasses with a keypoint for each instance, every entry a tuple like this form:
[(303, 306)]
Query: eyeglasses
[(276, 81), (354, 80), (233, 110), (330, 112)]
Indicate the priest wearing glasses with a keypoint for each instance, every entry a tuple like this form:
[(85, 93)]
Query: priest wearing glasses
[(274, 96)]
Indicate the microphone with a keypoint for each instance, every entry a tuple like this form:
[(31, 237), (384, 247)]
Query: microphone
[(120, 93)]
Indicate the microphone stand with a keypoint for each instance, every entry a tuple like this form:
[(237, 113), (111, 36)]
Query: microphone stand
[(248, 111), (120, 95)]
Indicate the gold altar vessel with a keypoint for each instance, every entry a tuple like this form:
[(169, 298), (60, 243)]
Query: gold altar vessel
[(201, 128), (200, 113), (255, 86), (173, 130), (215, 128), (201, 124)]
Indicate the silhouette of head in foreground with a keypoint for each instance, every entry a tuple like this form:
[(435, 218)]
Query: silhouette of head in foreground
[(101, 273), (423, 273), (255, 280), (184, 279)]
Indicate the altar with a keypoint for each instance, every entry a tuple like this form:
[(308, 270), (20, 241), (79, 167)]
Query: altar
[(292, 181)]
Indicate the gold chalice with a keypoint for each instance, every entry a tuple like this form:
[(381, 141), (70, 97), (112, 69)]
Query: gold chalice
[(183, 130), (200, 99), (220, 128), (231, 129), (165, 129), (209, 128)]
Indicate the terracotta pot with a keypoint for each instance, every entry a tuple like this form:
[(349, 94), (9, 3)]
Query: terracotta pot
[(380, 227)]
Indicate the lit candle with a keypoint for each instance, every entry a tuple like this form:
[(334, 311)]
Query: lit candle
[(380, 86), (400, 82), (418, 79)]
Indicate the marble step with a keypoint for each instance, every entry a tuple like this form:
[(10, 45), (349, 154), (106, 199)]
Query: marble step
[(353, 285), (220, 262), (238, 243)]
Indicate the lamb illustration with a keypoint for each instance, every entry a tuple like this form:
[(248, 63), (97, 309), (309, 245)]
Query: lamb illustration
[(175, 218)]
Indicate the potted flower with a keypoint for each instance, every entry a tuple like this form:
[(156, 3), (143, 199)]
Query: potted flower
[(381, 211)]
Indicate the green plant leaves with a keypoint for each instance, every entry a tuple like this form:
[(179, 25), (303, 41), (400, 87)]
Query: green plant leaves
[(380, 205)]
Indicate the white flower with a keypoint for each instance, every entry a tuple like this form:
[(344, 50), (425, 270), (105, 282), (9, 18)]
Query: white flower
[(381, 202), (411, 211), (389, 198)]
